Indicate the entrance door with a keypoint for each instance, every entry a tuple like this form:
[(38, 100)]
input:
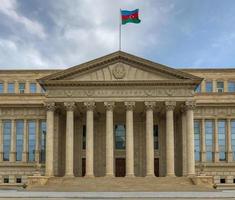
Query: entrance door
[(120, 167), (83, 166), (156, 166)]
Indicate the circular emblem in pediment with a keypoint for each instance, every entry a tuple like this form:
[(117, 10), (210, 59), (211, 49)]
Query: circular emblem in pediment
[(119, 71)]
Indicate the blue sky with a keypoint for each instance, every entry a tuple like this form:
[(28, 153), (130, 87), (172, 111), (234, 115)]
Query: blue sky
[(62, 33)]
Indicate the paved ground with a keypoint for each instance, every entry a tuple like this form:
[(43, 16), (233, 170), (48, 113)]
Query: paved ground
[(13, 194)]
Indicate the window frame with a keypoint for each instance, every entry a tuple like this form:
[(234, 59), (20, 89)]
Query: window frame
[(206, 84)]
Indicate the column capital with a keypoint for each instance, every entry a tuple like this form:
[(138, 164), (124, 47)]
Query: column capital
[(90, 105), (149, 105), (129, 105), (109, 105), (190, 105), (170, 105), (50, 106), (70, 106)]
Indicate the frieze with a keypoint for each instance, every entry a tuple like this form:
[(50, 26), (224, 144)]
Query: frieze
[(158, 92), (22, 112), (214, 111)]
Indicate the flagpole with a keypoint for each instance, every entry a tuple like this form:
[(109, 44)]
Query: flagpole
[(120, 31)]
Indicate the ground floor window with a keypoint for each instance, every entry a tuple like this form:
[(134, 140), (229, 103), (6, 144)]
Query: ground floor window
[(222, 139), (233, 137), (19, 139), (31, 139), (43, 141)]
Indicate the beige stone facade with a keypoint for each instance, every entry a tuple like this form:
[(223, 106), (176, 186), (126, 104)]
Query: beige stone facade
[(83, 105)]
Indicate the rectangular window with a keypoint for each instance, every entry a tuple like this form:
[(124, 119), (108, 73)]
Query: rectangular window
[(21, 87), (233, 137), (31, 137), (11, 88), (6, 180), (198, 89), (120, 136), (222, 139), (220, 86), (6, 139), (19, 139), (84, 137), (197, 131), (43, 130), (231, 86), (209, 130), (209, 86), (1, 87), (33, 88), (155, 136)]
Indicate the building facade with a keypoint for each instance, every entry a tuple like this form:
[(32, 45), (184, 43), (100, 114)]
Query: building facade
[(118, 115)]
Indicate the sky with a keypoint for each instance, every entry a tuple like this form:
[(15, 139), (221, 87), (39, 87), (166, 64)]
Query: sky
[(56, 34)]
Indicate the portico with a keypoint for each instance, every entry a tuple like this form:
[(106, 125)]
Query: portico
[(86, 104)]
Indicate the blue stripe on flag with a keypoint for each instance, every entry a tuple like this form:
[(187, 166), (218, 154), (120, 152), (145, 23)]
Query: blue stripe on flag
[(127, 12)]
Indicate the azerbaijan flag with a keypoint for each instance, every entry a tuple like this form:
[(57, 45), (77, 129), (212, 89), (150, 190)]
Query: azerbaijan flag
[(130, 16)]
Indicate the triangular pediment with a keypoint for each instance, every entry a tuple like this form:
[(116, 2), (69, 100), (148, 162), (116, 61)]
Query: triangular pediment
[(119, 66)]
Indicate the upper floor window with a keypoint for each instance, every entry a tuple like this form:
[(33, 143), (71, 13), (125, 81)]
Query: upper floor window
[(209, 130), (19, 139), (6, 139), (84, 137), (220, 86), (222, 139), (209, 86), (233, 137), (120, 136), (33, 88), (43, 141), (231, 86), (198, 89), (21, 87), (31, 139), (155, 135), (1, 87), (197, 131), (11, 88)]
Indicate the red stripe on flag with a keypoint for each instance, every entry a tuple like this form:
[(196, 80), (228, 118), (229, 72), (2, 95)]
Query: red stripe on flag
[(133, 16)]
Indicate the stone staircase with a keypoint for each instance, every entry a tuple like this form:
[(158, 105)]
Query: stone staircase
[(105, 184)]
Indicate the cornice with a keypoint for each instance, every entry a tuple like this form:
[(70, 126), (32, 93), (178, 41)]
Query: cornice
[(121, 83)]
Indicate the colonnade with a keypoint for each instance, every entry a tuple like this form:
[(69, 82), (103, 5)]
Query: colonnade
[(129, 106)]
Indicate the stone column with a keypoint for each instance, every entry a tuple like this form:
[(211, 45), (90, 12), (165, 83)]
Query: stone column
[(37, 142), (90, 106), (50, 139), (1, 140), (170, 158), (216, 144), (70, 106), (190, 105), (27, 88), (13, 141), (25, 143), (129, 139), (5, 87), (109, 139), (184, 141), (203, 141), (149, 139), (229, 144)]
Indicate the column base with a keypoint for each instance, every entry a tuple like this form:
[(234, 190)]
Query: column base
[(150, 176), (89, 176), (109, 176), (191, 175), (69, 176), (130, 176), (171, 175)]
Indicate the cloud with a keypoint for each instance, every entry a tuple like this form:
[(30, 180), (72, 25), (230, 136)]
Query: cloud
[(9, 8)]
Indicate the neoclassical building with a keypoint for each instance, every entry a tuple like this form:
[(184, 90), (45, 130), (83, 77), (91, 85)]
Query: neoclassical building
[(118, 115)]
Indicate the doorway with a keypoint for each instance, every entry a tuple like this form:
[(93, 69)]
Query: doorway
[(120, 167)]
